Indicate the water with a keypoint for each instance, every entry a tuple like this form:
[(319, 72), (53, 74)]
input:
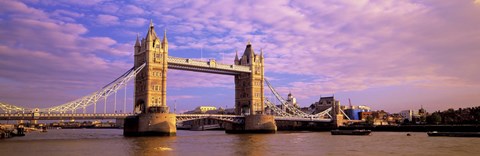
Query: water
[(111, 142)]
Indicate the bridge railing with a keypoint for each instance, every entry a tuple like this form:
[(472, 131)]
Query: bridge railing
[(15, 115), (302, 119), (207, 115), (208, 64), (62, 115), (84, 115)]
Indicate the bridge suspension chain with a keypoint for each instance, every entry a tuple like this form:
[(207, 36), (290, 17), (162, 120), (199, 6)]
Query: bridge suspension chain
[(277, 110), (292, 110), (93, 98), (8, 108)]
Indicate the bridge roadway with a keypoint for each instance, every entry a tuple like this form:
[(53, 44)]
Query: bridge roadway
[(210, 66), (180, 117)]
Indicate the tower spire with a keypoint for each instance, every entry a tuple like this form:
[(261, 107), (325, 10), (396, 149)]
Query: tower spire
[(137, 43), (151, 31), (165, 36), (236, 54)]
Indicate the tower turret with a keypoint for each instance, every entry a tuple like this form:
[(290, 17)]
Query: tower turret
[(151, 39), (236, 61), (137, 46), (165, 41), (248, 55)]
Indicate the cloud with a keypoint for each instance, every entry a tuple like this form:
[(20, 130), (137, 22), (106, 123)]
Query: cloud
[(108, 8), (135, 22), (20, 10), (107, 20), (49, 55), (311, 48), (67, 13), (80, 3), (132, 10), (343, 45)]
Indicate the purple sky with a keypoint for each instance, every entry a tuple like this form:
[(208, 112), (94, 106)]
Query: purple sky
[(388, 54)]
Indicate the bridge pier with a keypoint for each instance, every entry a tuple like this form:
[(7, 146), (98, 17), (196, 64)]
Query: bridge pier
[(150, 124), (258, 123)]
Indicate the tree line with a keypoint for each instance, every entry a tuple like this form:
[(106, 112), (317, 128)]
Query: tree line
[(469, 115)]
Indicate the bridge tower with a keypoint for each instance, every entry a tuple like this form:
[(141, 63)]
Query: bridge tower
[(150, 88), (249, 94), (151, 82), (249, 91)]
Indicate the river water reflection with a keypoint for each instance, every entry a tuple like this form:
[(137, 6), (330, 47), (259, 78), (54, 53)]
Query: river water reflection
[(111, 142)]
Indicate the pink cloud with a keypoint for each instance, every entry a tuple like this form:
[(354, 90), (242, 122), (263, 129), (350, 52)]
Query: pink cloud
[(107, 20), (55, 55), (108, 8), (67, 13), (341, 46), (83, 3), (132, 9), (135, 22), (357, 45)]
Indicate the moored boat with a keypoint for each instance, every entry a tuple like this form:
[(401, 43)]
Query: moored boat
[(454, 134), (351, 132)]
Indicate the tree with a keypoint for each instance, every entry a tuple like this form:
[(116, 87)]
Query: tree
[(423, 119), (436, 118), (369, 120), (406, 121)]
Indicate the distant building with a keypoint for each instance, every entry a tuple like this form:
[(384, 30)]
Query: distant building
[(292, 100), (363, 107), (202, 110), (354, 114), (407, 114), (422, 112), (413, 116), (394, 119), (229, 111), (364, 115), (325, 103), (221, 110), (380, 117)]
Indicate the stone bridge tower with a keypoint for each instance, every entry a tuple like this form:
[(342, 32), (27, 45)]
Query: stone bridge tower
[(151, 89), (151, 82), (249, 91), (249, 95)]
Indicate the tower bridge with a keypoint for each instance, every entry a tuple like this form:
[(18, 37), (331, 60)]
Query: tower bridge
[(101, 116), (151, 114)]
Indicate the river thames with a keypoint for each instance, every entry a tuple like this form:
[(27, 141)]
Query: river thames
[(111, 142)]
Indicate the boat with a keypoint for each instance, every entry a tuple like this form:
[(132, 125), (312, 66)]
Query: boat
[(351, 132), (454, 134)]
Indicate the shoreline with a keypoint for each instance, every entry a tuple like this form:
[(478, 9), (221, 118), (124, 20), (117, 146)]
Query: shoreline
[(418, 128)]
